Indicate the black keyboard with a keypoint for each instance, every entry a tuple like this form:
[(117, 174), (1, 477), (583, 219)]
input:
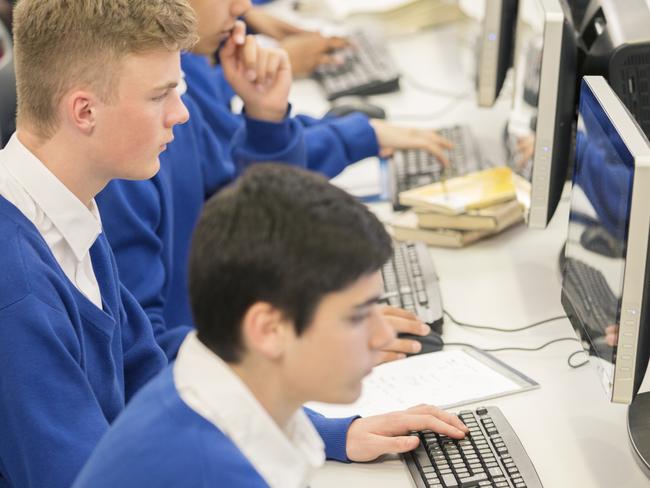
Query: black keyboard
[(411, 283), (491, 456), (411, 168), (367, 69), (590, 295)]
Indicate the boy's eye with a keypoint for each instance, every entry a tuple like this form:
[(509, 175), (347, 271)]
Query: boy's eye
[(356, 319), (159, 98)]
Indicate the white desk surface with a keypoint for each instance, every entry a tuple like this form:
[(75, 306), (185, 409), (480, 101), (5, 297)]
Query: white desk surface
[(573, 435)]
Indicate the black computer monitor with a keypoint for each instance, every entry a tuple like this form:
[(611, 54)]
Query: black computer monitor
[(497, 48), (614, 42), (544, 101), (605, 287)]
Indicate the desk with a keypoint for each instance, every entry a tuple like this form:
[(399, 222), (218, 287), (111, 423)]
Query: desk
[(574, 436)]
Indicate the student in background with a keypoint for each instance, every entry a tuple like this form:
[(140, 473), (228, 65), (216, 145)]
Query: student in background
[(286, 313), (96, 101), (331, 143), (149, 223)]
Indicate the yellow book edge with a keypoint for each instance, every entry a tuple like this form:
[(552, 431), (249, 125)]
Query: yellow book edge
[(464, 193)]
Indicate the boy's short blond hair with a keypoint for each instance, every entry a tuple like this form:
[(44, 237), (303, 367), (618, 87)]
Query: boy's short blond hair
[(62, 43)]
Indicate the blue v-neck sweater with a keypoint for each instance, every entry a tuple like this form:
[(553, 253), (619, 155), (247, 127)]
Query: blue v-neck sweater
[(67, 368)]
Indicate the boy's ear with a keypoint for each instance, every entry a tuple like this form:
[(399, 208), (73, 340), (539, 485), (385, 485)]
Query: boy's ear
[(265, 330), (81, 107)]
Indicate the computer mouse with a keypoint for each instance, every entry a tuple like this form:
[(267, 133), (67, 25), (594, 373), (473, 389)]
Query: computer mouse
[(350, 105), (597, 239), (431, 342)]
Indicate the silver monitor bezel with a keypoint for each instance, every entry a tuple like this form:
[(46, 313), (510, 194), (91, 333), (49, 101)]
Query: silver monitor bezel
[(538, 215), (637, 242), (489, 53)]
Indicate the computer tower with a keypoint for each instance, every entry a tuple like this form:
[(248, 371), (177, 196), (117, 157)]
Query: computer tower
[(614, 42)]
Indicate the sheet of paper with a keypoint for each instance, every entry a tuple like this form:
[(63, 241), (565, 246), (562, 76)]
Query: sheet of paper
[(444, 379)]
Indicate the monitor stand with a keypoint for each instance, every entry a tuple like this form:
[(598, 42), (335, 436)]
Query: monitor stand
[(638, 429)]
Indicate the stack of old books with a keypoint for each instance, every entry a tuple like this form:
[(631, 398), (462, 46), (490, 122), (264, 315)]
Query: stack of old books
[(461, 210)]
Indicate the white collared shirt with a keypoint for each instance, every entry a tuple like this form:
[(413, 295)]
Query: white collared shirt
[(285, 458), (67, 225)]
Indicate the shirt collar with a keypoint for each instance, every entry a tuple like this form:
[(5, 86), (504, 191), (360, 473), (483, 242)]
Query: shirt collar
[(181, 88), (285, 458), (78, 224)]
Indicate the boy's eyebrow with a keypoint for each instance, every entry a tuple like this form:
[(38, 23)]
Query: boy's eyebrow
[(367, 303), (169, 86)]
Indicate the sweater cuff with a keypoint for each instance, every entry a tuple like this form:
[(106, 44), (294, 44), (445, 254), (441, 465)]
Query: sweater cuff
[(268, 137), (334, 433), (359, 136)]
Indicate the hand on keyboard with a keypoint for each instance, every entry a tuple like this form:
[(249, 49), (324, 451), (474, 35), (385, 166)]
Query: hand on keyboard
[(310, 49), (371, 437), (403, 322), (391, 137)]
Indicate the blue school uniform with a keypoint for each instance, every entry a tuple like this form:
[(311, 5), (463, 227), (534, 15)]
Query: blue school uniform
[(68, 367)]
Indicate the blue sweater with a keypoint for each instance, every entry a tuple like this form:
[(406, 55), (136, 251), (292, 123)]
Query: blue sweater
[(149, 223), (160, 441), (331, 143), (67, 368)]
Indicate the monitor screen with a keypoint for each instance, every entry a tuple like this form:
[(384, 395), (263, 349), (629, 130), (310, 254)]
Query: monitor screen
[(597, 288), (496, 50), (539, 131)]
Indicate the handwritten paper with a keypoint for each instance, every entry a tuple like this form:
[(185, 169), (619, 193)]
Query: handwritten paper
[(444, 379)]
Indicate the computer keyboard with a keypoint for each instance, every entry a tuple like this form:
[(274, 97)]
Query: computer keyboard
[(491, 456), (367, 69), (411, 283), (411, 168), (594, 301)]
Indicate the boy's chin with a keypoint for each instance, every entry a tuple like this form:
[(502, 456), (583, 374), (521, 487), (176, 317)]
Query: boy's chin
[(153, 169)]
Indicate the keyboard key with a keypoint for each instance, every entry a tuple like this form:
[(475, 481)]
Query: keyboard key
[(449, 480)]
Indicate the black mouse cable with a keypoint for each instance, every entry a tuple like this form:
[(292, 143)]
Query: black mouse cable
[(499, 329), (535, 324), (529, 349)]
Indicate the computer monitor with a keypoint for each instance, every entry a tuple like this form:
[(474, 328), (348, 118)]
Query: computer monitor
[(497, 48), (614, 42), (605, 287), (544, 101)]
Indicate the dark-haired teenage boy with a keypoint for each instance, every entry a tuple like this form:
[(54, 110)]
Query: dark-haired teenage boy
[(286, 312)]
